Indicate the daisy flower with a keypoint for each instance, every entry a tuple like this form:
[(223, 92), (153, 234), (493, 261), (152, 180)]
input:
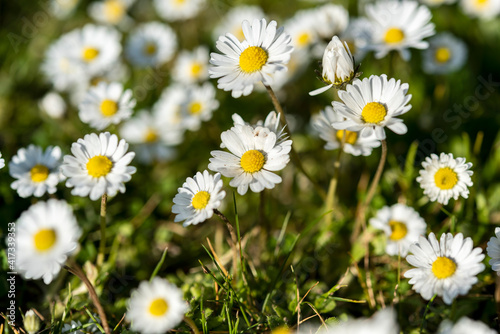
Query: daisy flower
[(2, 161), (302, 29), (272, 123), (382, 322), (198, 197), (358, 36), (176, 10), (62, 9), (36, 172), (493, 251), (113, 12), (353, 143), (445, 54), (483, 9), (402, 225), (151, 44), (155, 307), (47, 233), (464, 326), (372, 104), (299, 60), (444, 177), (53, 105), (330, 20), (191, 66), (169, 107), (447, 268), (152, 138), (254, 156), (231, 23), (106, 104), (98, 166), (198, 106), (399, 25), (264, 51)]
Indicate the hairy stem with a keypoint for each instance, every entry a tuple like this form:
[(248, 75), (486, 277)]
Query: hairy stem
[(102, 244)]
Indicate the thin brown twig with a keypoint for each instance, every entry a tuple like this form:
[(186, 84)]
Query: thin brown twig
[(102, 244)]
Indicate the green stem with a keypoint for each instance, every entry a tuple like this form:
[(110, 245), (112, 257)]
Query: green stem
[(425, 313), (102, 244), (332, 188), (191, 325)]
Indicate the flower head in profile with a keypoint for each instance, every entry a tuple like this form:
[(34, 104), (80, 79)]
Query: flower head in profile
[(112, 12), (445, 177), (98, 166), (372, 104), (482, 9), (175, 10), (463, 326), (198, 197), (493, 251), (330, 20), (47, 233), (155, 307), (36, 172), (272, 123), (338, 65), (446, 54), (265, 51), (447, 267), (254, 156)]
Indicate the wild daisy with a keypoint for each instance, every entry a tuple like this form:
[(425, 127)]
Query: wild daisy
[(198, 197), (372, 104), (301, 28), (358, 36), (47, 233), (155, 307), (113, 12), (330, 20), (168, 108), (151, 44), (447, 268), (382, 322), (98, 166), (231, 22), (36, 172), (152, 138), (272, 123), (254, 156), (483, 9), (106, 104), (198, 106), (191, 66), (464, 326), (353, 143), (176, 10), (493, 251), (399, 25), (444, 177), (445, 54), (62, 9), (402, 225), (53, 105), (264, 51)]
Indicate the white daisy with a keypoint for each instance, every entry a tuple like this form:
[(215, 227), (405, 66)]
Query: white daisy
[(98, 166), (444, 177), (113, 12), (254, 156), (155, 307), (353, 143), (106, 104), (63, 9), (445, 54), (47, 233), (36, 172), (436, 3), (2, 161), (399, 25), (231, 23), (153, 140), (465, 326), (168, 109), (272, 123), (198, 197), (302, 29), (483, 9), (402, 225), (176, 10), (191, 66), (372, 104), (298, 63), (447, 268), (151, 44), (265, 50), (53, 105), (493, 250), (198, 106), (330, 20), (358, 36), (382, 322)]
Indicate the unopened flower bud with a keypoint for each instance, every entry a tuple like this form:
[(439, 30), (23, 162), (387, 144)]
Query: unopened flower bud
[(31, 322)]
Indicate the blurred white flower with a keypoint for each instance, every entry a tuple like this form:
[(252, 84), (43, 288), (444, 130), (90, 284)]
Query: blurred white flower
[(176, 10), (302, 29), (483, 9), (330, 20), (465, 326), (53, 105), (382, 322), (112, 12), (493, 250), (436, 3), (191, 66), (358, 36), (231, 22), (2, 161), (62, 9), (445, 54), (198, 105)]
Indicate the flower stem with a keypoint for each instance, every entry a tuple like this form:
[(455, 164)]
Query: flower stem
[(293, 154), (332, 188), (191, 324), (425, 313), (102, 244), (78, 272)]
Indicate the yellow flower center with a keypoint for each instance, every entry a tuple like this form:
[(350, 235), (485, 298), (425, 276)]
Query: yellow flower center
[(443, 55), (196, 69), (373, 112), (150, 49), (303, 39), (394, 35), (44, 239), (195, 108), (253, 59), (151, 136), (398, 229), (158, 307), (39, 173), (179, 2), (200, 200), (445, 178), (114, 10), (109, 108), (350, 136), (89, 54), (481, 3), (99, 165), (443, 267), (252, 161), (281, 330)]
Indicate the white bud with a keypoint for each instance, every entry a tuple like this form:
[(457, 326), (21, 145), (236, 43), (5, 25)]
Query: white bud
[(31, 322)]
